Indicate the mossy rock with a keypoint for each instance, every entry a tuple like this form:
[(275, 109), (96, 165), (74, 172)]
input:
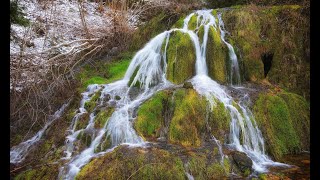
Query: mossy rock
[(92, 103), (82, 121), (105, 144), (284, 121), (217, 55), (102, 117), (181, 57), (192, 25), (151, 115), (299, 110), (189, 118), (137, 84), (134, 163), (282, 31), (180, 116), (85, 139), (42, 172), (201, 167), (219, 122)]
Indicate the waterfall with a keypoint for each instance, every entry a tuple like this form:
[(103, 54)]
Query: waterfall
[(148, 70), (253, 144), (234, 68), (151, 77)]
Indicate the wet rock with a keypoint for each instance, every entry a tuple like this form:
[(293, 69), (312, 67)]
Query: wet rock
[(133, 92), (106, 98), (242, 161), (161, 139), (118, 98), (187, 85)]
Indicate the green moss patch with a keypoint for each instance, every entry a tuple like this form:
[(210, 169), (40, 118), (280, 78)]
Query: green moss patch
[(150, 116), (219, 121), (137, 163), (216, 55), (201, 167), (284, 121), (92, 103), (50, 171), (181, 57), (102, 117), (104, 72), (188, 121), (280, 30)]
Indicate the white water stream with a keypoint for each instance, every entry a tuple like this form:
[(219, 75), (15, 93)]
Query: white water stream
[(19, 152)]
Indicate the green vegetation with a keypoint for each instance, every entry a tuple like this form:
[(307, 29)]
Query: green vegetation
[(102, 117), (181, 57), (92, 103), (284, 121), (104, 145), (82, 121), (16, 14), (150, 116), (43, 172), (188, 121), (299, 110), (137, 84), (137, 163), (219, 121), (279, 30), (201, 168), (192, 25), (185, 112), (104, 72), (153, 27), (216, 55), (180, 22)]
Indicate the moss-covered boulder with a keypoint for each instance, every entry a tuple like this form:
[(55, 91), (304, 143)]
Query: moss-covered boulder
[(219, 122), (284, 120), (151, 117), (102, 117), (48, 171), (180, 116), (134, 163), (272, 42), (181, 57), (92, 103), (192, 25), (217, 55), (208, 166), (189, 118)]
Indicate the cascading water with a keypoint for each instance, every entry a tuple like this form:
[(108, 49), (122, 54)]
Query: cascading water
[(18, 153), (253, 144), (149, 70), (151, 77), (150, 64), (234, 68)]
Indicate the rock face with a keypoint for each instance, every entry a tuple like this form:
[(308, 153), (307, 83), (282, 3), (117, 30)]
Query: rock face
[(286, 121), (242, 161), (216, 55), (183, 117), (281, 31), (180, 57), (137, 163)]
